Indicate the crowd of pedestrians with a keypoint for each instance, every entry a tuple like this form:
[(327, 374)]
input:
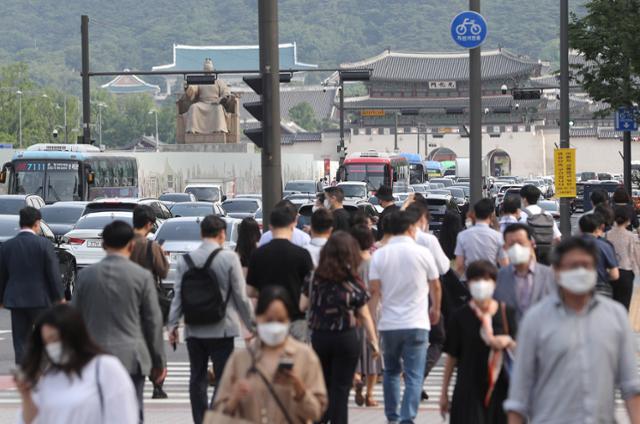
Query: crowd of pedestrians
[(535, 328)]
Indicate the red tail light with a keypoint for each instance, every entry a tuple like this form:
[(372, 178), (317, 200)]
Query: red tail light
[(73, 240)]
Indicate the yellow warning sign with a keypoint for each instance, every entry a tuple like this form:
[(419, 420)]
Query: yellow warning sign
[(564, 161), (372, 112)]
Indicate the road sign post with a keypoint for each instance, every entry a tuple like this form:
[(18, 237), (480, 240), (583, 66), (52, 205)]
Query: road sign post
[(626, 122), (469, 31)]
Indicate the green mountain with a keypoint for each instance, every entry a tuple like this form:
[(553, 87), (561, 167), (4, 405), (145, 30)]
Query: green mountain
[(138, 34)]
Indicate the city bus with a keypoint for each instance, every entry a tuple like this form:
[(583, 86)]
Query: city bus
[(376, 169), (434, 169), (417, 174), (68, 172)]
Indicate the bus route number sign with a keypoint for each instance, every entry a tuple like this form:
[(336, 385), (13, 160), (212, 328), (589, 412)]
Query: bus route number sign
[(564, 161)]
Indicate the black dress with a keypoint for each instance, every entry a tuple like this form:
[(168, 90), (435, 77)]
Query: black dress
[(465, 344)]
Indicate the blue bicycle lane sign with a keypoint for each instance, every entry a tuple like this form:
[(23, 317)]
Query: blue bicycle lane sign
[(469, 29)]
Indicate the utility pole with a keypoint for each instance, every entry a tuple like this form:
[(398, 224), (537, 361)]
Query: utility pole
[(66, 128), (341, 90), (475, 116), (19, 93), (565, 207), (86, 88), (270, 72)]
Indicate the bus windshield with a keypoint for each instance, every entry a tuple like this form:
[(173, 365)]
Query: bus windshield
[(54, 181), (416, 174), (372, 174)]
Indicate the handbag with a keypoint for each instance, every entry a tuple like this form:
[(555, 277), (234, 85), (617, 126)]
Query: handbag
[(164, 296), (218, 417)]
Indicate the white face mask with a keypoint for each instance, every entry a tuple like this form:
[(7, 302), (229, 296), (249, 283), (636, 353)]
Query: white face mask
[(578, 281), (518, 254), (482, 289), (273, 333), (56, 353), (327, 204)]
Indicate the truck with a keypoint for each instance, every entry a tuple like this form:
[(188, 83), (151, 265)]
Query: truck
[(210, 189), (462, 168)]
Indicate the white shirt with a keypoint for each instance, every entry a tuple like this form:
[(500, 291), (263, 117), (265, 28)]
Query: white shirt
[(63, 399), (314, 247), (299, 238), (536, 210), (431, 242), (404, 269)]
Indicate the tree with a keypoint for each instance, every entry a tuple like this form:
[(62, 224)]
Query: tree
[(607, 38), (303, 115)]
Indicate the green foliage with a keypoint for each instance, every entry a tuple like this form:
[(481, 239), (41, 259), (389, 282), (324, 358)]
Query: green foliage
[(608, 41), (303, 115)]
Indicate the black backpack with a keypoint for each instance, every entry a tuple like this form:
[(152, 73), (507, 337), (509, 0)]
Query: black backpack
[(201, 296), (541, 225)]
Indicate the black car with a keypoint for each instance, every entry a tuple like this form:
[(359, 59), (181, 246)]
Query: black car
[(196, 209), (10, 204), (62, 216), (9, 228)]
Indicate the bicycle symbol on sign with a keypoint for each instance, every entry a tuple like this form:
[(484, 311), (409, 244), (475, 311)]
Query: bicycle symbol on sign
[(468, 25)]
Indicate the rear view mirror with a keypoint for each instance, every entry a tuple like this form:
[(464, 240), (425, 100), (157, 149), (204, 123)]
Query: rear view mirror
[(91, 177), (224, 198), (3, 176)]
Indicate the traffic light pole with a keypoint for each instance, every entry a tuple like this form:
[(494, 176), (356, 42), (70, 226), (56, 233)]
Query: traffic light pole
[(565, 207), (475, 116), (626, 149), (86, 86), (270, 72)]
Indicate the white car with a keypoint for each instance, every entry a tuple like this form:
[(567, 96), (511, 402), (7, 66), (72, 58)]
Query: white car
[(182, 235), (354, 190), (85, 240)]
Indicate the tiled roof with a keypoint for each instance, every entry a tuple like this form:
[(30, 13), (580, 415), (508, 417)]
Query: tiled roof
[(227, 58), (321, 100), (439, 103), (496, 64), (130, 84), (303, 137)]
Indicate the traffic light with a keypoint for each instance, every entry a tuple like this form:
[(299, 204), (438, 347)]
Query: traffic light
[(526, 94), (256, 109)]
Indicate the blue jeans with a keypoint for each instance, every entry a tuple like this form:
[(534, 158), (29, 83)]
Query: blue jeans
[(403, 350)]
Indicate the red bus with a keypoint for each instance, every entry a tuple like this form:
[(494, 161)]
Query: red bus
[(376, 169)]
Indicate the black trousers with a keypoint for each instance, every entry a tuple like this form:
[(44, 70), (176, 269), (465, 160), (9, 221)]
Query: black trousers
[(339, 352), (138, 384), (22, 320), (623, 288), (200, 350)]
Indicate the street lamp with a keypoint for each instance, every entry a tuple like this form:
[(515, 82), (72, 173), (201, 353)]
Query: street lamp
[(155, 112), (19, 93), (348, 75)]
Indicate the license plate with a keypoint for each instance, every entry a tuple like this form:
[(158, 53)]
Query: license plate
[(173, 257), (94, 243)]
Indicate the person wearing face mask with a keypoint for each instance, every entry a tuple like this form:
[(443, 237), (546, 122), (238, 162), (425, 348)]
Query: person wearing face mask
[(575, 350), (66, 378), (276, 379), (525, 281), (333, 201), (119, 303), (480, 336)]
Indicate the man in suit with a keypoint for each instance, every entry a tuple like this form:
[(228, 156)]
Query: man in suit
[(118, 301), (525, 281), (30, 279), (211, 341)]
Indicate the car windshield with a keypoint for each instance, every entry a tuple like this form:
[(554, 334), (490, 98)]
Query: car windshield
[(61, 214), (301, 186), (206, 194), (175, 197), (240, 206), (179, 231), (466, 189), (456, 192), (351, 190), (191, 210), (89, 222), (11, 206)]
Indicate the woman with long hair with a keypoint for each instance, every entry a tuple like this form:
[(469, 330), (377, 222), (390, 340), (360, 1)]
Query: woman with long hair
[(480, 337), (451, 226), (248, 238), (338, 300), (277, 379), (622, 198), (65, 378), (627, 251)]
